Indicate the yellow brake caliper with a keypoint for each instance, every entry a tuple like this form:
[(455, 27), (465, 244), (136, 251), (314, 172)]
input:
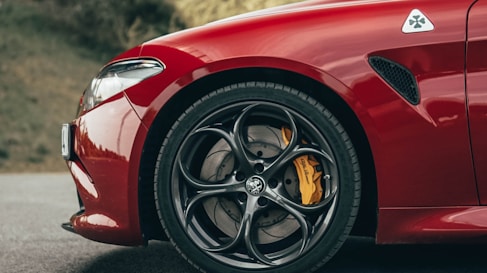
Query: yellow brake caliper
[(309, 178)]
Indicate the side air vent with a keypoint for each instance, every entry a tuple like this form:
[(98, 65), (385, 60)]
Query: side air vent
[(399, 77)]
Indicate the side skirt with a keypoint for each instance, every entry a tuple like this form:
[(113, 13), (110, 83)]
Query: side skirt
[(432, 225)]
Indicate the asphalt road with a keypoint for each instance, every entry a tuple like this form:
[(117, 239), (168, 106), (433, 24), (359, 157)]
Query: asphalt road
[(32, 207)]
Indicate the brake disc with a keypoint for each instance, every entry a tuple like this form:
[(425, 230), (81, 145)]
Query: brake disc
[(274, 225)]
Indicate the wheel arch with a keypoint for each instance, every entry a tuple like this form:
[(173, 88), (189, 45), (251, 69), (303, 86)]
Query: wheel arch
[(366, 222)]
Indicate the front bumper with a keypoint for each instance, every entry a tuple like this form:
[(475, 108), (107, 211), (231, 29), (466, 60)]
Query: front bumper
[(101, 153)]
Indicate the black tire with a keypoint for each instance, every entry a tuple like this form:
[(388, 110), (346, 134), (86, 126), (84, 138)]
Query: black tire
[(226, 182)]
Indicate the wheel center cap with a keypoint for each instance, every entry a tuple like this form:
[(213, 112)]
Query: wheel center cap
[(255, 185)]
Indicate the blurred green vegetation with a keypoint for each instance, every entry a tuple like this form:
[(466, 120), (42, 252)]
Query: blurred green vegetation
[(41, 76), (50, 49), (111, 25)]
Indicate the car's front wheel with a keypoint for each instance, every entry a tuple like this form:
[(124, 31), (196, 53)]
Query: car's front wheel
[(257, 177)]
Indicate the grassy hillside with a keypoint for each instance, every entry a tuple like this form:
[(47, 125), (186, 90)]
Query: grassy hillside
[(46, 62), (217, 9), (41, 77)]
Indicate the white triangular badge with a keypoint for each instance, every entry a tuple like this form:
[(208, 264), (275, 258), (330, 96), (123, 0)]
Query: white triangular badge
[(417, 22)]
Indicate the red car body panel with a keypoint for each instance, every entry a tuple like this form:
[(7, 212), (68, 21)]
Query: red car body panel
[(432, 225), (424, 155), (476, 91), (105, 178)]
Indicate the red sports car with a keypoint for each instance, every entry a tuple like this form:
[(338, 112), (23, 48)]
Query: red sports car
[(260, 142)]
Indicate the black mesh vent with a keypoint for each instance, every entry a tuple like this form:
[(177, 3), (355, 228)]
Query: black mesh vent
[(399, 77)]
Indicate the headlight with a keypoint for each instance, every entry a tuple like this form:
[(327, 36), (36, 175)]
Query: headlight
[(117, 77)]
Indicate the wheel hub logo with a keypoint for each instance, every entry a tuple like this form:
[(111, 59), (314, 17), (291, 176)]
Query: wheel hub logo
[(255, 185)]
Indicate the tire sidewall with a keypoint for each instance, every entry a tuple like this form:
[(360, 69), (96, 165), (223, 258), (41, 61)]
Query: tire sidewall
[(348, 190)]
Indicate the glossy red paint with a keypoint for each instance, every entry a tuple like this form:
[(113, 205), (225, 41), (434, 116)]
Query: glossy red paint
[(433, 225), (477, 92), (104, 138), (428, 157), (396, 130)]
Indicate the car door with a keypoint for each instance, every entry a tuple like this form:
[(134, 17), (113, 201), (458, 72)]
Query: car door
[(476, 83)]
